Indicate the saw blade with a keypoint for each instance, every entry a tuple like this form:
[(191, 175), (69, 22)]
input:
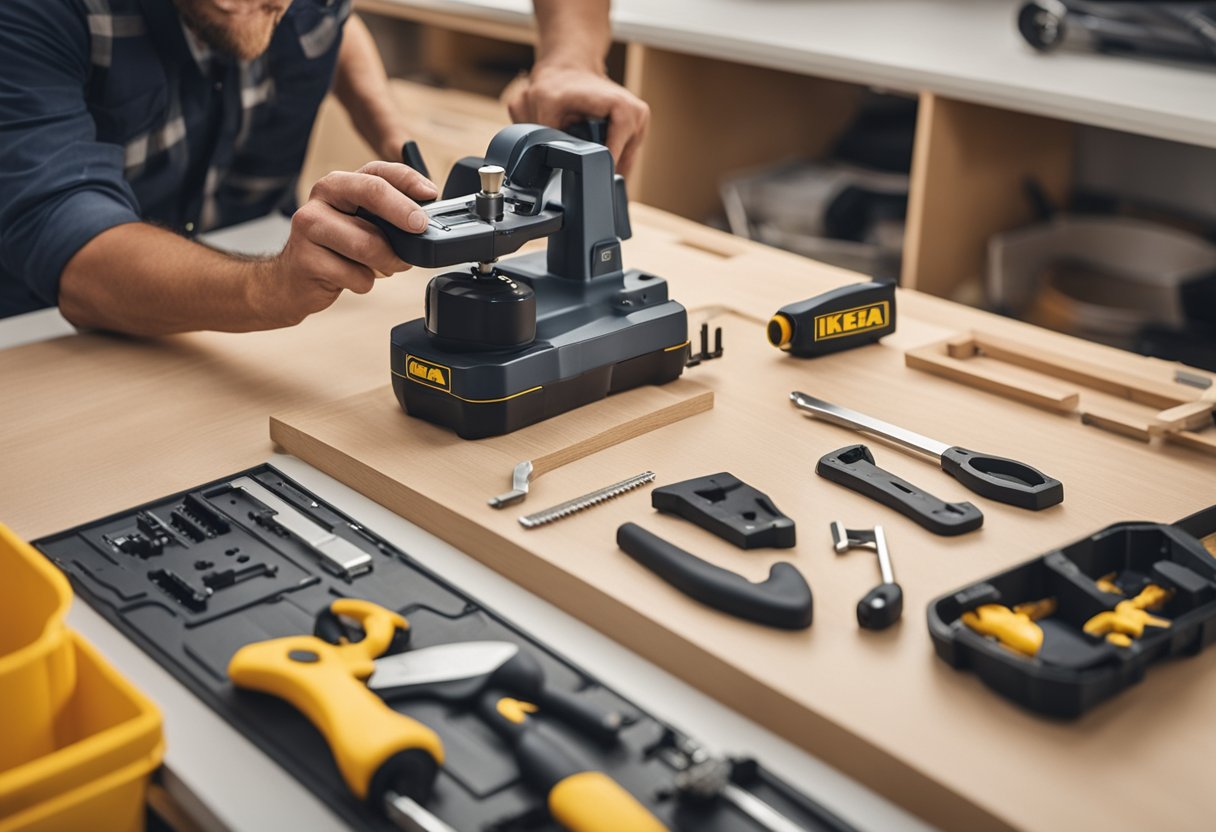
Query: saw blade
[(557, 512)]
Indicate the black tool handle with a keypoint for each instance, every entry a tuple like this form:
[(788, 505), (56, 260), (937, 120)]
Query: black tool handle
[(588, 718), (1003, 480), (853, 467), (881, 607), (412, 156), (783, 600)]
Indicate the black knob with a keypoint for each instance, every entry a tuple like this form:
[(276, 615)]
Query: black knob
[(881, 607), (490, 312)]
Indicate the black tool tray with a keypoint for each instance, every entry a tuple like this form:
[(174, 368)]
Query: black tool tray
[(1073, 670), (193, 577)]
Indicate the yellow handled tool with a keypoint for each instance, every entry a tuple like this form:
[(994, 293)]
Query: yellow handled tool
[(492, 678), (1015, 628), (385, 757), (1129, 618), (579, 798)]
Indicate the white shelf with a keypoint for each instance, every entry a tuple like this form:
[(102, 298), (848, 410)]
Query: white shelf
[(965, 49)]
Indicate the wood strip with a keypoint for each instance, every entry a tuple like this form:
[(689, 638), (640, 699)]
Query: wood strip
[(1046, 396), (1122, 383), (615, 435), (1205, 442), (1121, 424), (1191, 416)]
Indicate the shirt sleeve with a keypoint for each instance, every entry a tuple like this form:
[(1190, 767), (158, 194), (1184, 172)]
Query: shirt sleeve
[(59, 186)]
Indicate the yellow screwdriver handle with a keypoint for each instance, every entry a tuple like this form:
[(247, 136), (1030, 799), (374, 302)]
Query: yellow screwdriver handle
[(327, 684), (591, 801)]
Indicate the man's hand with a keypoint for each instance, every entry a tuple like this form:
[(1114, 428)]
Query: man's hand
[(330, 249), (558, 96), (145, 280)]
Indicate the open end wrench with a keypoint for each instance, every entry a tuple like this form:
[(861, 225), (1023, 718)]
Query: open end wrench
[(994, 477)]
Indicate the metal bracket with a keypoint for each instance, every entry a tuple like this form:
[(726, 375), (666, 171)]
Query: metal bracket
[(521, 478)]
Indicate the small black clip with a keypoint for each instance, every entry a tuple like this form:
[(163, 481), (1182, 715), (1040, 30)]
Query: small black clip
[(695, 358)]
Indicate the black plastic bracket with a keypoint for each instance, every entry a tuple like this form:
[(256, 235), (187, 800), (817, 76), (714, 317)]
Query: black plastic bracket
[(728, 507)]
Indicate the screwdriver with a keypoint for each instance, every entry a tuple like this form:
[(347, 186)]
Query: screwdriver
[(994, 477), (580, 798), (386, 758)]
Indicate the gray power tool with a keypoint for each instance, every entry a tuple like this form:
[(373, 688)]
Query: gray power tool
[(506, 344)]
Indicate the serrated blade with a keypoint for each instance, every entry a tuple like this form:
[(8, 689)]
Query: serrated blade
[(561, 510)]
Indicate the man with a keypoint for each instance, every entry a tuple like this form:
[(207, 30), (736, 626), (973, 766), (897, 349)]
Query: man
[(128, 126)]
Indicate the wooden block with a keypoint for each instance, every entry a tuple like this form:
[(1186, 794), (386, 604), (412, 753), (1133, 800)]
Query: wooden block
[(961, 346), (1192, 416), (1121, 423), (1047, 395)]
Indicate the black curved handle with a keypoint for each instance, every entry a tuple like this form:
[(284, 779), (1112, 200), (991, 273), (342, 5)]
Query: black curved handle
[(853, 467), (1003, 480), (783, 600)]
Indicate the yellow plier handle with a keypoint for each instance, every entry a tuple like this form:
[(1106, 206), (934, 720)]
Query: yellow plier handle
[(371, 742)]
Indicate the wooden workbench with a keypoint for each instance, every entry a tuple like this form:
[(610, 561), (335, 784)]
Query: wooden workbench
[(91, 424)]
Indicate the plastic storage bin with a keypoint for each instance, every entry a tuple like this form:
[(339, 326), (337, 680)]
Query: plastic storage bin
[(77, 741), (37, 672), (108, 740)]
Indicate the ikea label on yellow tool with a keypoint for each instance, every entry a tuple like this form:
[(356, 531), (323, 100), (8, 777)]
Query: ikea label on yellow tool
[(428, 373), (852, 321)]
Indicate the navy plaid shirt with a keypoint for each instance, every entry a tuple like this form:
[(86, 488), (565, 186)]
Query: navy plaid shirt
[(112, 112)]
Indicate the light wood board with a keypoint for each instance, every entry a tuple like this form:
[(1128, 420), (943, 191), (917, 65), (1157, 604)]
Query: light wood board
[(879, 705)]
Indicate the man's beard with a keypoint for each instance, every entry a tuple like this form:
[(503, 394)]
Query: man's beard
[(243, 42)]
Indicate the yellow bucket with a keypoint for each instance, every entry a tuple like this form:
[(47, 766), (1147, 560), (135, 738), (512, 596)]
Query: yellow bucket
[(37, 671), (107, 740)]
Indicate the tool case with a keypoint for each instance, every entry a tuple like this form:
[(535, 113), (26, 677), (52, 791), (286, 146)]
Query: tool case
[(195, 576), (1163, 576)]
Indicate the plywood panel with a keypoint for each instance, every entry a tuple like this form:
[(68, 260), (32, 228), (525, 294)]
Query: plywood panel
[(969, 170), (711, 118)]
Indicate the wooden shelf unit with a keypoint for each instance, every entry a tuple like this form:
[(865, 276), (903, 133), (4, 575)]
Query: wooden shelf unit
[(714, 116)]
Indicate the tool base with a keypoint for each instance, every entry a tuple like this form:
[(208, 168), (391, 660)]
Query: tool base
[(593, 338), (480, 419)]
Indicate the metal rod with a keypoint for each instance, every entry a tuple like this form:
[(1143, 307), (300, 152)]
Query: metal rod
[(884, 557), (759, 811), (844, 417), (407, 814)]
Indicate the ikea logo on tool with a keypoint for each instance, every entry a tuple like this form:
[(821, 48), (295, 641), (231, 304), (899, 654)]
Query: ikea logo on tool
[(424, 372), (852, 321)]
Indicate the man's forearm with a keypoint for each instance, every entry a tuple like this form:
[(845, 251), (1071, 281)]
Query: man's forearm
[(573, 33), (361, 84), (143, 280)]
